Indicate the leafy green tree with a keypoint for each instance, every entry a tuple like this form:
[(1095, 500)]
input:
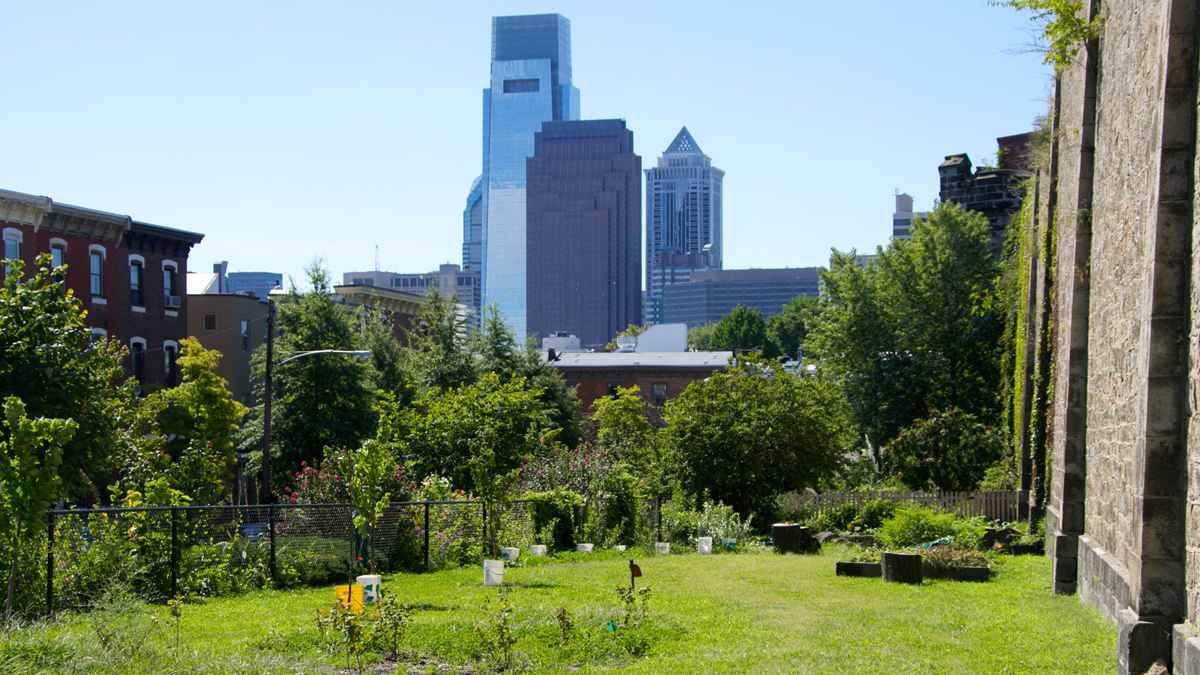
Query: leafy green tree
[(496, 347), (438, 354), (188, 434), (950, 451), (918, 330), (743, 437), (624, 431), (387, 355), (323, 400), (31, 452), (49, 360), (372, 468), (700, 338), (787, 330), (496, 351), (1063, 26), (743, 329), (445, 429)]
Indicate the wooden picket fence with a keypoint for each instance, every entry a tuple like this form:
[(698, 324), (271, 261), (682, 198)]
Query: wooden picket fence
[(1002, 505)]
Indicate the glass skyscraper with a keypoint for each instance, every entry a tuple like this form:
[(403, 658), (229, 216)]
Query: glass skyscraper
[(530, 84), (683, 219)]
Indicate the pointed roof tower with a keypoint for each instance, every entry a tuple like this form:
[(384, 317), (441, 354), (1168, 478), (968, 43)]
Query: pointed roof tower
[(684, 144)]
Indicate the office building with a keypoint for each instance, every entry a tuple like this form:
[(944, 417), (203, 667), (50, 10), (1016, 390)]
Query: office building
[(712, 294), (449, 279), (683, 219), (472, 249), (583, 263), (903, 216), (234, 324), (530, 84)]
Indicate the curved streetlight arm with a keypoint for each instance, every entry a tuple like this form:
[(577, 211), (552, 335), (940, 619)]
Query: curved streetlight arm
[(357, 353)]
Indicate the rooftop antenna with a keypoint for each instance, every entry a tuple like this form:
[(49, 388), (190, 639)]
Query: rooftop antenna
[(377, 257)]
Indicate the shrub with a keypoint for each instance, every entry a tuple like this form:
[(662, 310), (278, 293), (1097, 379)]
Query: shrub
[(951, 450), (679, 524), (913, 524), (969, 532), (722, 522), (835, 518), (872, 514), (553, 515)]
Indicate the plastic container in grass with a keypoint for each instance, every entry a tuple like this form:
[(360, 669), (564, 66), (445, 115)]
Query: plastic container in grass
[(584, 548), (704, 545), (662, 548), (537, 550), (509, 553), (493, 572)]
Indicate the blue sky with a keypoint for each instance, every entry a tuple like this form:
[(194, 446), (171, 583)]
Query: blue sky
[(285, 131)]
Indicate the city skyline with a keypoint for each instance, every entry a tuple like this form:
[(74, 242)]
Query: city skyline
[(239, 129)]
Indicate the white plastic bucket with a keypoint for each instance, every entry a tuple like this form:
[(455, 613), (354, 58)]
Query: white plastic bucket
[(493, 572), (370, 584), (584, 548), (509, 553), (538, 550), (619, 548), (704, 545), (662, 547)]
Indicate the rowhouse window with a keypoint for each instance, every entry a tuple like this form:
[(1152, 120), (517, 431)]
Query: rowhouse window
[(245, 335), (136, 296), (12, 245), (210, 322), (659, 392), (169, 290), (137, 354), (170, 359), (97, 273), (58, 255)]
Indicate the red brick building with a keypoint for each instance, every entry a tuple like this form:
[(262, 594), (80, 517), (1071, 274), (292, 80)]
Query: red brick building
[(129, 275), (661, 376)]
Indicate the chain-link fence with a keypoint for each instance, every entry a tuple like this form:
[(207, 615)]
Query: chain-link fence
[(163, 552)]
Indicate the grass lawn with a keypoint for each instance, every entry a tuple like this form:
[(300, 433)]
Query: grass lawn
[(723, 613)]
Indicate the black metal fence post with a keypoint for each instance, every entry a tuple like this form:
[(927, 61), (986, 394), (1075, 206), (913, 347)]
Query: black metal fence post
[(426, 536), (486, 550), (174, 552), (50, 562), (271, 537)]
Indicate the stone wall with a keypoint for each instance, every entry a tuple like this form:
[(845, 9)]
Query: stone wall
[(1124, 427)]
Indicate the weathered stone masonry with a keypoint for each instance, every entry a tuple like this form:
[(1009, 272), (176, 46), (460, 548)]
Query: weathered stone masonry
[(1123, 512)]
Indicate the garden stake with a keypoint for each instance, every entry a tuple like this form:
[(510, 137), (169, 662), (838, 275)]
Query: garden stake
[(634, 573)]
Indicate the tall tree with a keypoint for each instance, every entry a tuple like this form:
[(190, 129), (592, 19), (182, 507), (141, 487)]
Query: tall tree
[(387, 355), (438, 354), (323, 400), (918, 329), (743, 329), (50, 360), (787, 330), (624, 431), (188, 434), (743, 437)]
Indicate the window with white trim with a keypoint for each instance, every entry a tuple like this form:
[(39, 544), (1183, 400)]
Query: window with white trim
[(58, 252), (12, 244), (137, 281), (170, 274), (98, 334), (170, 361), (96, 255), (137, 358)]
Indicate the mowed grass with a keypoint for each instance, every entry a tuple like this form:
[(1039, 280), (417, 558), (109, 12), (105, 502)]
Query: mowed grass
[(758, 612)]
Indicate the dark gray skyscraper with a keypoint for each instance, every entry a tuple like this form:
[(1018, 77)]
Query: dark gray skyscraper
[(683, 219), (584, 231)]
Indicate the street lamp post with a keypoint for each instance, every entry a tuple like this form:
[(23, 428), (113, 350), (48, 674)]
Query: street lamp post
[(268, 393)]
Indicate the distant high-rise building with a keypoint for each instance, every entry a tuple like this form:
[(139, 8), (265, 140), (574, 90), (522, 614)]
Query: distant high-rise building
[(683, 219), (712, 294), (451, 281), (584, 225), (472, 250), (530, 84), (903, 216), (258, 284)]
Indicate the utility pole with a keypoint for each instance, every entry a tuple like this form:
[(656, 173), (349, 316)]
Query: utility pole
[(267, 498)]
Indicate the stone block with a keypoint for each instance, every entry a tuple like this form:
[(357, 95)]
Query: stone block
[(1185, 650), (1140, 642)]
